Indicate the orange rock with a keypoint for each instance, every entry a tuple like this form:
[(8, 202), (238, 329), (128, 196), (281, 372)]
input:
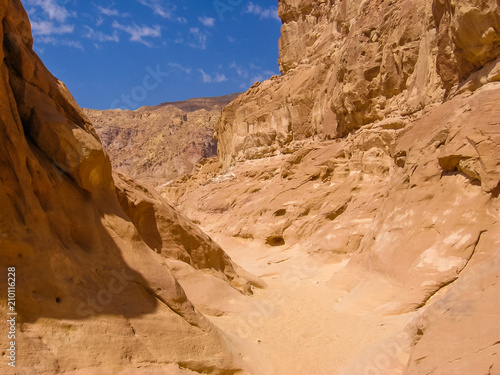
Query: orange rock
[(92, 291), (378, 148)]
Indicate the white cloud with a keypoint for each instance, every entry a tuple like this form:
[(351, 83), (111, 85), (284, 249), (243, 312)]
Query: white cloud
[(158, 8), (100, 36), (59, 42), (200, 38), (207, 21), (250, 74), (243, 73), (207, 78), (261, 77), (220, 78), (48, 18), (262, 13), (163, 10), (108, 11), (52, 9), (180, 67), (257, 78), (137, 33), (49, 28)]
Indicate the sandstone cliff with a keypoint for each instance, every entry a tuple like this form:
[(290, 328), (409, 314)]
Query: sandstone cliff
[(94, 292), (377, 151), (158, 144), (347, 64)]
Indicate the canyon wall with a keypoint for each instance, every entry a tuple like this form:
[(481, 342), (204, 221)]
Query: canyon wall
[(94, 292), (378, 149), (347, 64)]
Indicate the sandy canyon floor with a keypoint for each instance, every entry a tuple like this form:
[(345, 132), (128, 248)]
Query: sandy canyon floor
[(292, 325)]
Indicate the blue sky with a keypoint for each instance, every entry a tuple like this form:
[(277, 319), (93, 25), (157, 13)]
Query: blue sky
[(131, 53)]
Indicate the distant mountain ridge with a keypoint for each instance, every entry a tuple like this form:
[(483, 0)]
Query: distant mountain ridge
[(195, 104), (159, 143)]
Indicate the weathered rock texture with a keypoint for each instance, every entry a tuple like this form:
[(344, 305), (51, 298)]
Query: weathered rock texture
[(380, 147), (158, 144), (94, 294), (351, 63)]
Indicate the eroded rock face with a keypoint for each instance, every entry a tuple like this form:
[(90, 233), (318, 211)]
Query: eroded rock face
[(406, 191), (414, 211), (172, 235), (159, 144), (347, 64), (94, 295)]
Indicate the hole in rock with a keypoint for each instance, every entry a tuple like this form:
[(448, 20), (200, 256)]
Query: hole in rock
[(275, 241), (496, 191), (281, 212), (58, 300)]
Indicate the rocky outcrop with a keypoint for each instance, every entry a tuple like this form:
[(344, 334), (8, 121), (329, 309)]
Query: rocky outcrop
[(93, 293), (413, 211), (172, 235), (378, 151), (347, 64), (363, 195), (158, 144)]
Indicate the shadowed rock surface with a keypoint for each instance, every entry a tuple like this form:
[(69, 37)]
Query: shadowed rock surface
[(94, 292)]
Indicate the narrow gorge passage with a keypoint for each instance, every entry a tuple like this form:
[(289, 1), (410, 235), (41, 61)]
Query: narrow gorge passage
[(293, 326), (341, 217)]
